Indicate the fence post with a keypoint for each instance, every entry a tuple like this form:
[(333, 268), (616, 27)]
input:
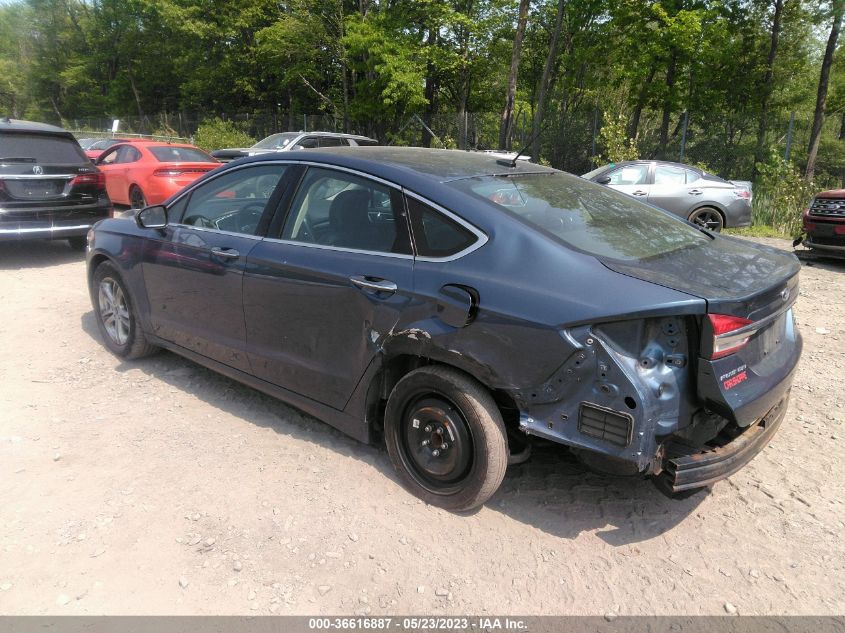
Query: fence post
[(789, 137)]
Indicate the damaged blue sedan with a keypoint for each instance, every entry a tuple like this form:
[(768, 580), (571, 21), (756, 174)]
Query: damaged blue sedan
[(455, 306)]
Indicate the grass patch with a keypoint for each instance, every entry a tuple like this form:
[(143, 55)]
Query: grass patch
[(762, 230)]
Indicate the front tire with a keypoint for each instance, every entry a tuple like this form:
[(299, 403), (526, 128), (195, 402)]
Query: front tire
[(446, 438), (78, 243), (116, 317)]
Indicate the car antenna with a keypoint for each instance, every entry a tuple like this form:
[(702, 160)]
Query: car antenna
[(511, 162)]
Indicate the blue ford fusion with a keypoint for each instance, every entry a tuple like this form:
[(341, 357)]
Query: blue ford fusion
[(455, 306)]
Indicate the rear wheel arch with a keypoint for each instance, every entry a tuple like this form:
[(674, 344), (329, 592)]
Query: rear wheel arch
[(396, 367), (709, 207)]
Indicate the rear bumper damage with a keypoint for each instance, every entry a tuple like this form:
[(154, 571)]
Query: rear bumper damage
[(730, 451)]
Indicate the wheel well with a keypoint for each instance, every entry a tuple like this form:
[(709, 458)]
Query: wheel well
[(397, 367), (710, 206)]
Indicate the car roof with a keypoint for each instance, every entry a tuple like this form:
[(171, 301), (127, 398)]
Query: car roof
[(149, 143), (401, 164), (18, 125)]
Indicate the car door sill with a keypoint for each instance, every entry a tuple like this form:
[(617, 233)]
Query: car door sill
[(356, 428)]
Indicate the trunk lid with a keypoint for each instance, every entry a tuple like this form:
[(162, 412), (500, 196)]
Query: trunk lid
[(733, 276), (736, 278)]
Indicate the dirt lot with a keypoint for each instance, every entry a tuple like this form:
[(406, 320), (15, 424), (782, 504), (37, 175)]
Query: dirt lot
[(159, 487)]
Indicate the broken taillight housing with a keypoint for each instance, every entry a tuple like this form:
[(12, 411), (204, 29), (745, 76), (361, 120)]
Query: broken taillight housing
[(730, 333)]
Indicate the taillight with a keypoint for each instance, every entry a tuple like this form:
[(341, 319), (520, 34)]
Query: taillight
[(96, 179), (168, 173), (730, 333), (742, 193)]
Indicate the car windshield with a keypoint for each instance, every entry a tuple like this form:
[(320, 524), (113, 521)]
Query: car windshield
[(588, 217), (276, 141), (175, 154), (41, 148)]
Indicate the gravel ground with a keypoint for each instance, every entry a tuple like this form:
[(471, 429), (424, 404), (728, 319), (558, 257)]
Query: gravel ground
[(158, 487)]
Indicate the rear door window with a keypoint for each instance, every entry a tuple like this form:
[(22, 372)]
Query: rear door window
[(338, 209), (40, 148), (331, 141)]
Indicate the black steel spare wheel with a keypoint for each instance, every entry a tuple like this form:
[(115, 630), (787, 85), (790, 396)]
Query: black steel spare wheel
[(446, 438)]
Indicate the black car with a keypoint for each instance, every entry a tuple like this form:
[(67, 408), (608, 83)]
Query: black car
[(457, 305), (288, 141), (48, 186)]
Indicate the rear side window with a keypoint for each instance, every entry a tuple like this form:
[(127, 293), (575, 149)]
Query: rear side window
[(342, 210), (436, 235), (669, 175), (586, 216), (40, 148), (331, 141), (171, 154)]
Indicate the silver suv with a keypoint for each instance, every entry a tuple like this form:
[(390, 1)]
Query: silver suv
[(286, 141)]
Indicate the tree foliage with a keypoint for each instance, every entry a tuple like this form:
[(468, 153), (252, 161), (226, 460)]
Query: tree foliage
[(368, 66)]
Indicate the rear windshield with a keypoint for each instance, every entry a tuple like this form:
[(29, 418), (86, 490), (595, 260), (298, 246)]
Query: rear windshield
[(586, 216), (171, 154), (40, 148)]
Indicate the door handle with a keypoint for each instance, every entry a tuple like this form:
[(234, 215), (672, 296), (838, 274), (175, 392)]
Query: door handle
[(695, 192), (374, 284), (225, 253), (640, 192)]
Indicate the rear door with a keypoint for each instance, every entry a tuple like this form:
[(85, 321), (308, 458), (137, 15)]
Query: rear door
[(675, 189), (193, 270), (323, 291)]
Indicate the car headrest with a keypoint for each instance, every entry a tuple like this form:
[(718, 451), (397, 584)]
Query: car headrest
[(349, 209)]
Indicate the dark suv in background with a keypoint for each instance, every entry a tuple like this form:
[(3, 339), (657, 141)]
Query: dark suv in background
[(48, 187)]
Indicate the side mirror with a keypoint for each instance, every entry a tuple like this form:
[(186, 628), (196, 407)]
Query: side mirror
[(154, 217), (604, 180)]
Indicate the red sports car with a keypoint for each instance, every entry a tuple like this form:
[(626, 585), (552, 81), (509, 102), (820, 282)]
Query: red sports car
[(148, 172)]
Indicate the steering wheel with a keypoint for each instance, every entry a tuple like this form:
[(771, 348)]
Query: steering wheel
[(201, 221), (250, 215)]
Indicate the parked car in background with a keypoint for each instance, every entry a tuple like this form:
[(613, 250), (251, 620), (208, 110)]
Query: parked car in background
[(824, 223), (286, 141), (148, 172), (48, 187), (85, 143), (96, 148), (688, 192), (455, 305)]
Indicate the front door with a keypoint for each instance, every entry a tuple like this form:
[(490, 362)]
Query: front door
[(322, 296), (194, 272), (631, 179)]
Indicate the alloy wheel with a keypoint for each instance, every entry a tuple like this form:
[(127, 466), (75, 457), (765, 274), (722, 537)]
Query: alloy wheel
[(114, 311)]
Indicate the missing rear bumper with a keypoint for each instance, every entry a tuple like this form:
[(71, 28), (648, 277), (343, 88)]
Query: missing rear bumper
[(684, 471)]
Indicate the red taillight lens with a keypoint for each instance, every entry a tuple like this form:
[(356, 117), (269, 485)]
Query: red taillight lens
[(742, 193), (730, 333), (168, 173), (96, 179)]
